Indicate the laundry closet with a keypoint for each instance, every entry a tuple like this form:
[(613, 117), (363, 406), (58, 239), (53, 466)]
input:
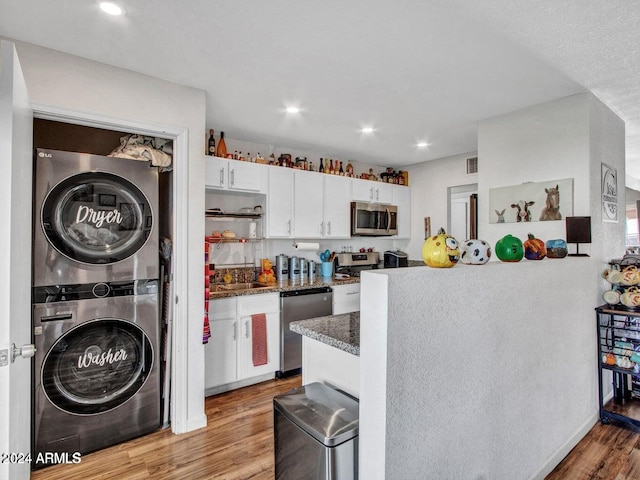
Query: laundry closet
[(101, 263)]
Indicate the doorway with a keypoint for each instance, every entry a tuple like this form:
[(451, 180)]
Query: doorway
[(463, 212)]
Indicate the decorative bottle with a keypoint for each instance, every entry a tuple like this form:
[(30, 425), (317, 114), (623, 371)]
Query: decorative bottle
[(321, 170), (212, 144), (221, 150)]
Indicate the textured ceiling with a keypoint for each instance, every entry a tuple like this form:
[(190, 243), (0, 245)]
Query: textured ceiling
[(414, 70)]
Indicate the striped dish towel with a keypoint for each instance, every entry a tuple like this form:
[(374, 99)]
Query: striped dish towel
[(259, 339)]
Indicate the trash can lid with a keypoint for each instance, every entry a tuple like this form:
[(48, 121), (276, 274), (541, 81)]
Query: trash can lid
[(329, 416)]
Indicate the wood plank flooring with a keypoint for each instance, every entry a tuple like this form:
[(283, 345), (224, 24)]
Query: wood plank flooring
[(237, 444)]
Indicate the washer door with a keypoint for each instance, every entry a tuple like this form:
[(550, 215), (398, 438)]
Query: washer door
[(96, 218), (97, 366)]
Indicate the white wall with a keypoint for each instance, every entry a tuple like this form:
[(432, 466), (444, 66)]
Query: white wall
[(58, 80), (430, 182), (566, 138)]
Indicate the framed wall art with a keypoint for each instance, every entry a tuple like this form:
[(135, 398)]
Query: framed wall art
[(609, 194), (531, 202)]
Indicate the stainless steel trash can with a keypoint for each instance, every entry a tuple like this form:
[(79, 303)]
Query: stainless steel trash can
[(316, 434)]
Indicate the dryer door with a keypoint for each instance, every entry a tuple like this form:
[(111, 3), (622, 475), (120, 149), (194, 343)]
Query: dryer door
[(96, 218), (97, 366)]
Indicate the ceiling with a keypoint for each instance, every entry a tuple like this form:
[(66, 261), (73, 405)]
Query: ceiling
[(426, 70)]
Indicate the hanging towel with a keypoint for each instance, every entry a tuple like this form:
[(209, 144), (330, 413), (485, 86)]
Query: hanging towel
[(259, 339), (206, 330)]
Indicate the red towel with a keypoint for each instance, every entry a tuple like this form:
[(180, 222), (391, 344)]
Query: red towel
[(259, 339)]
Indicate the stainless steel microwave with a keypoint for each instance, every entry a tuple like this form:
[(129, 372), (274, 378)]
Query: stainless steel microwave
[(373, 219)]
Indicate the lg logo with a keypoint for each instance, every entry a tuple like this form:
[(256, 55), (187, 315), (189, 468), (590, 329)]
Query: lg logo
[(45, 155)]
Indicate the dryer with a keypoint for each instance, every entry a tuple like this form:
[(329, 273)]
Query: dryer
[(95, 219), (97, 377)]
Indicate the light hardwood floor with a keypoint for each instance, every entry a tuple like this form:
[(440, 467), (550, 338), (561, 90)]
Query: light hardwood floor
[(237, 444)]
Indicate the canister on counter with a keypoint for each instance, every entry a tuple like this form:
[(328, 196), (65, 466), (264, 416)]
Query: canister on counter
[(303, 268), (294, 268), (282, 267), (311, 269)]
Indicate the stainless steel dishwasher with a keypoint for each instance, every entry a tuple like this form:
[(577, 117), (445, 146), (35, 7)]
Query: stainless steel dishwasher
[(299, 305)]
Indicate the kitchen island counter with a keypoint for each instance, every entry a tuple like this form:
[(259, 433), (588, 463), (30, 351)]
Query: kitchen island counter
[(331, 351), (339, 331)]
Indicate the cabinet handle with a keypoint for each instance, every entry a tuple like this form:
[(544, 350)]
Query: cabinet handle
[(377, 194), (321, 228), (235, 331), (371, 193), (353, 293), (246, 326), (231, 180), (222, 176), (328, 228), (289, 227)]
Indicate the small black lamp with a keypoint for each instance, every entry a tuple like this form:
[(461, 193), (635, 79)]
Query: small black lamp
[(578, 231)]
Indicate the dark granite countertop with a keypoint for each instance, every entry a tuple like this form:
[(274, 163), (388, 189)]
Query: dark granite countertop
[(286, 286), (339, 331)]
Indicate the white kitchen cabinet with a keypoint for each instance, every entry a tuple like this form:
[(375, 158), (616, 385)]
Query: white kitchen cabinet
[(229, 353), (279, 221), (402, 199), (269, 304), (337, 207), (224, 174), (370, 191), (220, 352), (308, 218), (346, 298)]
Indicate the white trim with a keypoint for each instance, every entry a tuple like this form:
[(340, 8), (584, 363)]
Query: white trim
[(180, 135)]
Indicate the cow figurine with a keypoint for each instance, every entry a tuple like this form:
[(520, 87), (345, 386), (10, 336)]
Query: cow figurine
[(523, 215)]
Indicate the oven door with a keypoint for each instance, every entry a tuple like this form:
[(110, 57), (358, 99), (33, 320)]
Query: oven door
[(370, 219)]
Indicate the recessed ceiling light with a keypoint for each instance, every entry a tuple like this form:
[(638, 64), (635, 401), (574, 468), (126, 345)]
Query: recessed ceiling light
[(366, 129), (293, 110), (111, 8), (422, 144)]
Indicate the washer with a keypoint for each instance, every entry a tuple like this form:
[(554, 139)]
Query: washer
[(95, 219), (96, 379)]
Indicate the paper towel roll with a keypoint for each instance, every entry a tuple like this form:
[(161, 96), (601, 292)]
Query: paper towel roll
[(308, 246)]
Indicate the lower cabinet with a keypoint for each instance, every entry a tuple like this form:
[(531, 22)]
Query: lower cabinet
[(229, 353), (346, 298)]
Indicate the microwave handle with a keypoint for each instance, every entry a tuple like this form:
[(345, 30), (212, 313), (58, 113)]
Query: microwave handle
[(388, 219)]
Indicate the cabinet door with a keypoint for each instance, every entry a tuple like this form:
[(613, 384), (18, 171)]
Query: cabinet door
[(247, 369), (362, 190), (337, 207), (307, 204), (215, 171), (220, 352), (269, 304), (383, 192), (346, 298), (280, 203), (246, 176), (402, 199)]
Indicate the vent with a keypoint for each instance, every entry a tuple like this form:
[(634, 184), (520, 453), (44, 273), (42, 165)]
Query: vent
[(472, 165)]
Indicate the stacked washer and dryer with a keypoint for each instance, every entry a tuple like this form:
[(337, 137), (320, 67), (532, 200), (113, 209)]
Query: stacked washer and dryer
[(95, 302)]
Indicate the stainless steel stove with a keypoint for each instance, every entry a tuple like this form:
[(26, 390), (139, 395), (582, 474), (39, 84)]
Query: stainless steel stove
[(354, 263)]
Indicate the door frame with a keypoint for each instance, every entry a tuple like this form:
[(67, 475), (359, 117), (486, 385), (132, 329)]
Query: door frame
[(180, 232)]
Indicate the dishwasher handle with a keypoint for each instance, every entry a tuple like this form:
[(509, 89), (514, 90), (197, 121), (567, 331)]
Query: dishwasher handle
[(305, 291)]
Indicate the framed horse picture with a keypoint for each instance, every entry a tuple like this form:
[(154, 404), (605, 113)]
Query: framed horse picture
[(531, 202)]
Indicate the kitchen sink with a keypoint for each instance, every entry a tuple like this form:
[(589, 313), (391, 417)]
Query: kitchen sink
[(234, 287)]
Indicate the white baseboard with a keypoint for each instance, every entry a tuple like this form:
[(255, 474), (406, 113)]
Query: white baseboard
[(565, 448)]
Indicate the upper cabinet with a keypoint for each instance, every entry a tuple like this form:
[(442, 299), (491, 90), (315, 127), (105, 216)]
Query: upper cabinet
[(308, 204), (337, 207), (369, 191), (224, 174), (279, 222)]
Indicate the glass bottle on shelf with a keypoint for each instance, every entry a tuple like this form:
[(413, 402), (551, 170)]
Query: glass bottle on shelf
[(341, 172), (331, 170), (321, 166), (212, 144), (221, 150)]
